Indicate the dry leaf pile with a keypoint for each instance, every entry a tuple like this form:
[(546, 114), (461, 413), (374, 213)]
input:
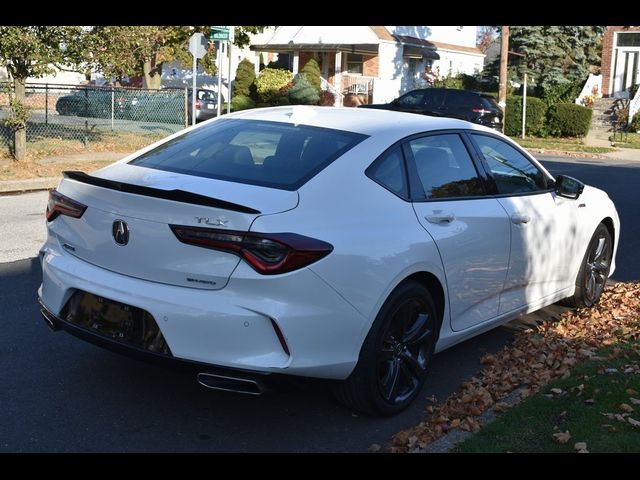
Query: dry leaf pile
[(537, 356)]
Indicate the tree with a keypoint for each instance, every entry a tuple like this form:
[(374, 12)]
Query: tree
[(33, 52), (555, 55), (141, 50)]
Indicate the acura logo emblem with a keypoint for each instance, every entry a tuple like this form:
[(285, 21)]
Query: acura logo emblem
[(120, 231)]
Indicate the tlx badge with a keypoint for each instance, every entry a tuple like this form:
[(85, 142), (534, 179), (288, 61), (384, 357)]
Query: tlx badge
[(218, 222)]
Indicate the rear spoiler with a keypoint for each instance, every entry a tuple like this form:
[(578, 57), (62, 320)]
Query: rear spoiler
[(174, 195)]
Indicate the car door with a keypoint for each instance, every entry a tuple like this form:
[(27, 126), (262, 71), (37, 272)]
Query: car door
[(543, 225), (411, 102), (469, 227)]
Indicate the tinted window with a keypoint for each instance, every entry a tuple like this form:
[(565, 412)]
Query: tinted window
[(444, 167), (513, 172), (270, 154), (460, 98), (434, 98), (389, 171), (411, 98)]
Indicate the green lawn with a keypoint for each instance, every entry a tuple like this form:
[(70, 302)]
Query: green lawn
[(629, 140), (592, 389), (566, 144)]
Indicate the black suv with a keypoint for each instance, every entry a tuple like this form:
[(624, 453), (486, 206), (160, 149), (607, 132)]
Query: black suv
[(474, 107)]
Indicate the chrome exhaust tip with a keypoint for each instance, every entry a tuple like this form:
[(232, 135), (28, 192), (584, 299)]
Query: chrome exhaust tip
[(230, 384)]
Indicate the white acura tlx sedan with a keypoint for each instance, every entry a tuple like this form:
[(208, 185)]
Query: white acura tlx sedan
[(343, 244)]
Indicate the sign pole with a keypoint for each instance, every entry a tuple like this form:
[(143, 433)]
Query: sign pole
[(219, 78), (230, 44), (193, 91)]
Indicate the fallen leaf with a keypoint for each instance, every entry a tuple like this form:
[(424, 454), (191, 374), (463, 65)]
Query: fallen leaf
[(455, 423), (590, 401), (625, 407), (556, 391), (580, 446), (634, 401), (501, 407), (374, 447), (631, 391), (633, 422), (562, 437)]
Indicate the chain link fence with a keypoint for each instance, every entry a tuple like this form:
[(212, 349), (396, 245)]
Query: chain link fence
[(89, 113)]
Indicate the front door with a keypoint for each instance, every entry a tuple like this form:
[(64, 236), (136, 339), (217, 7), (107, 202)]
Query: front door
[(470, 228), (627, 71), (542, 225)]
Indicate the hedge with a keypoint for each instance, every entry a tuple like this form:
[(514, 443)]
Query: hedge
[(536, 112), (568, 120), (242, 102)]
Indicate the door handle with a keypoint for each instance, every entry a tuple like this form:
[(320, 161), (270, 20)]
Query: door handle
[(440, 218), (519, 219)]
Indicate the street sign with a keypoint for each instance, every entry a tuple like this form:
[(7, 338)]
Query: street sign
[(198, 45), (219, 35), (220, 28)]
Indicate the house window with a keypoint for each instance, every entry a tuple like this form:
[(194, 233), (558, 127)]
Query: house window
[(354, 64), (631, 39)]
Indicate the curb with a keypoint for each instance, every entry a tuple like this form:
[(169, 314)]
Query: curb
[(8, 187), (455, 436)]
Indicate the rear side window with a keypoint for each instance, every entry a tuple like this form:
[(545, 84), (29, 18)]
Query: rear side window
[(389, 172), (269, 154), (460, 98)]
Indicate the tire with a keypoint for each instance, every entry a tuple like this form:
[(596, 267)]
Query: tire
[(396, 355), (594, 270)]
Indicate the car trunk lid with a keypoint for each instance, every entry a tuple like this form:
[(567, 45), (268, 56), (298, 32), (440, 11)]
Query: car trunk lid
[(145, 205)]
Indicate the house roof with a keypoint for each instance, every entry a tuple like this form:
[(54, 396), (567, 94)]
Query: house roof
[(457, 48)]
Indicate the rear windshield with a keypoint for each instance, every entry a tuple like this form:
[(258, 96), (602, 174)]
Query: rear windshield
[(490, 102), (270, 154)]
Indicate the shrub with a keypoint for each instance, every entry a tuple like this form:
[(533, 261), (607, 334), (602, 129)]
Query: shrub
[(569, 120), (327, 99), (635, 123), (242, 102), (311, 70), (561, 93), (245, 76), (269, 83), (284, 101), (536, 112), (303, 92), (469, 82), (449, 81)]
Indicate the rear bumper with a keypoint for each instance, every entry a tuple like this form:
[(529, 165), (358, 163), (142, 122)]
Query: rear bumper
[(56, 324), (231, 328)]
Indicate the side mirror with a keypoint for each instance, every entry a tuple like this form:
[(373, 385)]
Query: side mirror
[(568, 187)]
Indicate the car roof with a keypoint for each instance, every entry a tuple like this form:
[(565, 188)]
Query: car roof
[(359, 120)]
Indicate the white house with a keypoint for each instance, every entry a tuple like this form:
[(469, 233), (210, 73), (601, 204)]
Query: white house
[(377, 63)]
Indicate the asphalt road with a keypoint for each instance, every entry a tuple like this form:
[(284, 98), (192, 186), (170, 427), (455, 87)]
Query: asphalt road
[(60, 394)]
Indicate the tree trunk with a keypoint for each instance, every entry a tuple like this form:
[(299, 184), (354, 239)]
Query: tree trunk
[(152, 77), (20, 134)]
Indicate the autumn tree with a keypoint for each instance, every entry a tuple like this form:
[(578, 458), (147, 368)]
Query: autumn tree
[(141, 50), (33, 52)]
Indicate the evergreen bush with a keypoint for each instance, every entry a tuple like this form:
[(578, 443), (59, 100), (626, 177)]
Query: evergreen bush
[(311, 70), (303, 92), (568, 120), (536, 116), (269, 83), (245, 76), (242, 102)]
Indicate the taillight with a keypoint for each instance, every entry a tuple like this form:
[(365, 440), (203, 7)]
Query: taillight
[(197, 104), (267, 253), (58, 204), (480, 110)]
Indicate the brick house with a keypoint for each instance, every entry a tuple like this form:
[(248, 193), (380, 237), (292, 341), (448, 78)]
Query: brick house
[(620, 65), (375, 63)]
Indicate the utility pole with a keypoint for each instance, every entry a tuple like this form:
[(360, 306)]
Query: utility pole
[(504, 55)]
